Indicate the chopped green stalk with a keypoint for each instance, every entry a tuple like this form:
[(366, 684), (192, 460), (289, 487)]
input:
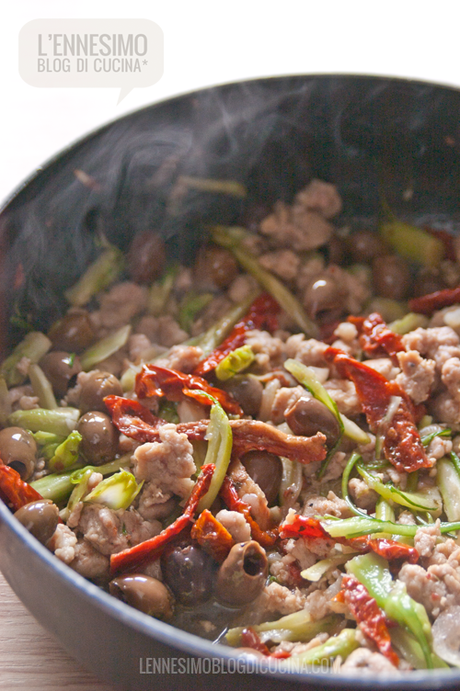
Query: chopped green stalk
[(448, 481), (354, 431), (116, 492), (105, 347), (354, 458), (219, 331), (306, 376), (428, 500), (455, 461), (440, 433), (161, 290), (57, 487), (77, 494), (409, 648), (33, 347), (66, 454), (373, 572), (315, 572), (413, 243), (358, 525), (236, 361), (42, 387), (5, 405), (190, 306), (99, 275), (60, 421), (231, 238), (412, 482), (409, 322), (48, 443), (220, 441), (384, 511), (343, 644), (298, 626), (291, 482), (231, 187)]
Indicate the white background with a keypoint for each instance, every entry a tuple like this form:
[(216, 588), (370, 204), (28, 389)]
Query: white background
[(210, 42)]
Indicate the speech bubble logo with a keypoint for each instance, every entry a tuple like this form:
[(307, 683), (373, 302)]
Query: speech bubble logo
[(104, 53)]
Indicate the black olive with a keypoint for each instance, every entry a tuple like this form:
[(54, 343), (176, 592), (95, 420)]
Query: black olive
[(60, 368), (266, 469), (189, 571), (18, 449), (242, 576), (145, 593), (95, 388), (324, 297), (215, 267), (73, 333), (247, 390), (99, 437), (365, 245), (307, 416), (146, 257), (40, 518)]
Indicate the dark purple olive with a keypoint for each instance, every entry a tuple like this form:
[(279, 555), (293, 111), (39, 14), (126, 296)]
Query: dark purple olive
[(40, 518), (60, 368), (307, 416), (189, 571), (247, 390), (266, 469), (145, 593), (215, 267), (95, 388), (365, 245), (99, 437), (242, 575), (391, 277), (324, 297), (146, 257), (18, 449), (73, 333)]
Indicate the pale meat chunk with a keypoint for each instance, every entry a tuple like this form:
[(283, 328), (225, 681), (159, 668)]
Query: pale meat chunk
[(384, 366), (322, 197), (250, 492), (308, 352), (118, 306), (90, 563), (183, 358), (343, 392), (169, 332), (450, 376), (236, 525), (111, 531), (331, 504), (63, 543), (296, 227), (417, 375), (276, 598), (365, 659), (269, 350), (438, 344), (283, 263)]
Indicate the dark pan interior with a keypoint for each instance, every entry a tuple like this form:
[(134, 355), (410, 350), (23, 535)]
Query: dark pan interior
[(373, 137)]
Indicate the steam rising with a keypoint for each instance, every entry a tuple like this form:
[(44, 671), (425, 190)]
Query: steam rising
[(271, 135)]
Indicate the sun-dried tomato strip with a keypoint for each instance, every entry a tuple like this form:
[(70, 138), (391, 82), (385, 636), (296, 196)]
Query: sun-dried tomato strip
[(230, 496), (376, 339), (427, 304), (261, 314), (401, 440), (371, 619), (303, 526), (154, 381), (14, 491), (212, 536), (143, 553), (251, 639), (133, 419)]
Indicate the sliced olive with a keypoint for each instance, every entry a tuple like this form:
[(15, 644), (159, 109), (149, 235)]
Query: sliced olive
[(60, 368), (242, 575), (266, 469), (95, 388), (18, 449), (40, 518), (247, 390), (189, 571), (145, 593), (307, 416), (73, 333), (146, 257), (99, 437)]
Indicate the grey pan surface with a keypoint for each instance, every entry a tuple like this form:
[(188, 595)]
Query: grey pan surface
[(273, 135)]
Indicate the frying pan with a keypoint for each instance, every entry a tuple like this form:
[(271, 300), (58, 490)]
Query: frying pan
[(373, 137)]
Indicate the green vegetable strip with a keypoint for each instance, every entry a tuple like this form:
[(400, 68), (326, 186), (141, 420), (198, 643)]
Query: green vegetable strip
[(373, 572), (412, 500), (409, 648), (160, 291), (60, 421), (116, 492), (293, 627), (448, 481), (354, 458), (66, 454), (441, 433), (231, 238), (342, 645), (413, 243), (220, 441), (236, 361), (455, 461), (77, 495), (105, 347), (384, 511), (357, 526), (33, 347), (5, 405), (231, 187), (57, 487), (99, 275), (315, 572), (409, 322), (190, 306), (42, 387)]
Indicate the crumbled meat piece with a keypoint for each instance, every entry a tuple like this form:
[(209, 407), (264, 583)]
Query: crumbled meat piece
[(417, 376), (241, 287), (118, 306), (384, 366), (406, 518), (269, 350), (111, 531), (332, 504), (169, 332), (446, 409), (62, 543), (450, 376), (439, 447), (302, 548), (438, 344), (355, 287), (319, 601), (28, 402), (283, 399), (322, 197), (236, 525), (426, 538), (435, 588), (283, 263), (278, 599), (183, 358), (298, 648), (90, 563), (347, 332), (363, 496), (16, 393), (343, 392), (310, 352), (138, 344), (296, 227), (166, 466), (250, 492), (335, 466), (148, 326), (365, 659)]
